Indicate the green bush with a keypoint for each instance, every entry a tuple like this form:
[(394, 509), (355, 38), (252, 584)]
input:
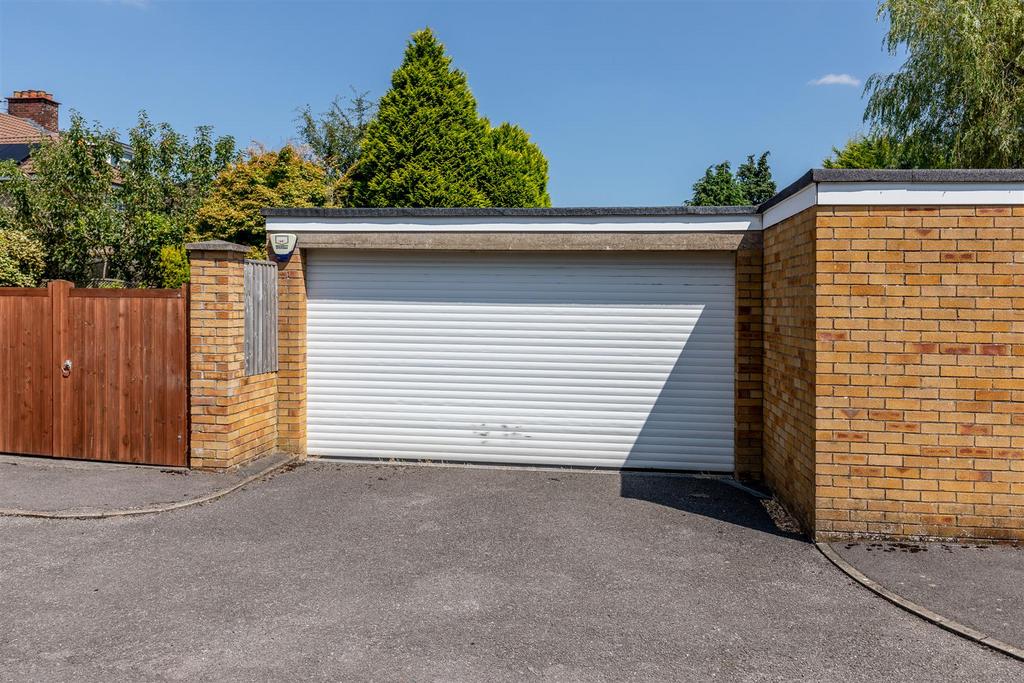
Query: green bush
[(22, 259), (172, 265)]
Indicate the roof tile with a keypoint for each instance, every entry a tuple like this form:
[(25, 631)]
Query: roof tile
[(16, 130)]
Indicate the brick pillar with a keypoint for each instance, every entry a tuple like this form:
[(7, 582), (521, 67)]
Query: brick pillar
[(291, 350), (749, 357), (233, 416)]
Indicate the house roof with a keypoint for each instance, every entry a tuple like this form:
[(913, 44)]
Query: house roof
[(17, 135), (15, 130)]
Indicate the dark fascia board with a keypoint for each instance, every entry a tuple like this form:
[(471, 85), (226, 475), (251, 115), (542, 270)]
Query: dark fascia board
[(559, 212), (891, 175), (918, 175), (788, 191)]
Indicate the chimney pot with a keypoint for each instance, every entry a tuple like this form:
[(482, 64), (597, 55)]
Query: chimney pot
[(35, 105)]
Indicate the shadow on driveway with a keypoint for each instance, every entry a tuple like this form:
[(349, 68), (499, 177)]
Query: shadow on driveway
[(698, 496)]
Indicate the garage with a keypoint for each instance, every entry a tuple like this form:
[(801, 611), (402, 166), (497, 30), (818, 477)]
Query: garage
[(581, 358)]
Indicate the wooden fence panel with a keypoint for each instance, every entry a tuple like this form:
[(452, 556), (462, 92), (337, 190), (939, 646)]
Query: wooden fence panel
[(26, 351), (260, 278), (116, 372), (125, 398)]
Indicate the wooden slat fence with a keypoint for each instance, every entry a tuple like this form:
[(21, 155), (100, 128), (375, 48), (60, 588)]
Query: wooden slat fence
[(97, 374), (260, 317), (26, 384)]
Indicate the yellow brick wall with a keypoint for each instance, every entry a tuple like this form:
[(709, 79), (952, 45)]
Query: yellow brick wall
[(291, 402), (789, 363), (749, 353), (920, 371), (233, 417)]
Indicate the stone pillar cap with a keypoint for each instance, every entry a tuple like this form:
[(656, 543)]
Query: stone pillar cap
[(216, 245)]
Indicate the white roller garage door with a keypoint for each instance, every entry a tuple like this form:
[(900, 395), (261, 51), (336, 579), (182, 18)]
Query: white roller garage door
[(607, 360)]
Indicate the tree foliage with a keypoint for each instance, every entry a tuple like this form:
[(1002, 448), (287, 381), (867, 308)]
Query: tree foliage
[(517, 171), (68, 205), (165, 179), (168, 174), (958, 99), (869, 151), (261, 179), (428, 146), (752, 184), (754, 178), (103, 210), (718, 187), (335, 137)]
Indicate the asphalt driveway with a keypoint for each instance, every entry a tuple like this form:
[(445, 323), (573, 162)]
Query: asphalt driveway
[(47, 486), (418, 573)]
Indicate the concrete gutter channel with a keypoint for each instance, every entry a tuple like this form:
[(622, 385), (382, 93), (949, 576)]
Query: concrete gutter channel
[(279, 462), (269, 465), (923, 612)]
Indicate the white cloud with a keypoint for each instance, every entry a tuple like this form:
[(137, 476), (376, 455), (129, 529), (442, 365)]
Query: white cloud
[(836, 79)]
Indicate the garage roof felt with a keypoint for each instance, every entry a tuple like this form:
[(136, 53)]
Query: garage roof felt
[(835, 175)]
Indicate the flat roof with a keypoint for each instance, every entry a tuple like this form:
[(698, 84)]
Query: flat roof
[(896, 175), (492, 212), (816, 175)]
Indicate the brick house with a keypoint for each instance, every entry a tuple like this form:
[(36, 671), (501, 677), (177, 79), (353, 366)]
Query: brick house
[(32, 116), (855, 343)]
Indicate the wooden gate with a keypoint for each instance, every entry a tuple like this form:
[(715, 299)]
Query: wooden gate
[(97, 374)]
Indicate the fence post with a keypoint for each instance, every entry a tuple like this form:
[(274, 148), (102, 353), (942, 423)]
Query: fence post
[(233, 417)]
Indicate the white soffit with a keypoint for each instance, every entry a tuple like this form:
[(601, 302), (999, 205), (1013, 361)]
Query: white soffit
[(681, 223), (932, 194), (828, 193)]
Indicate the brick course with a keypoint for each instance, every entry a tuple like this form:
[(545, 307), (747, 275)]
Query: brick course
[(918, 371), (921, 371), (789, 363), (234, 417), (291, 402), (749, 354)]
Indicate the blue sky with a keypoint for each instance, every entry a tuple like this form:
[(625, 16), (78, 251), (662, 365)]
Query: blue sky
[(630, 101)]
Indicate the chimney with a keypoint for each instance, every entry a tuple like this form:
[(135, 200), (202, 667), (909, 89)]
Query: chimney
[(36, 105)]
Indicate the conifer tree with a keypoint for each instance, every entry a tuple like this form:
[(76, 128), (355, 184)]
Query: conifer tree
[(718, 187), (755, 179), (517, 172), (427, 146)]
